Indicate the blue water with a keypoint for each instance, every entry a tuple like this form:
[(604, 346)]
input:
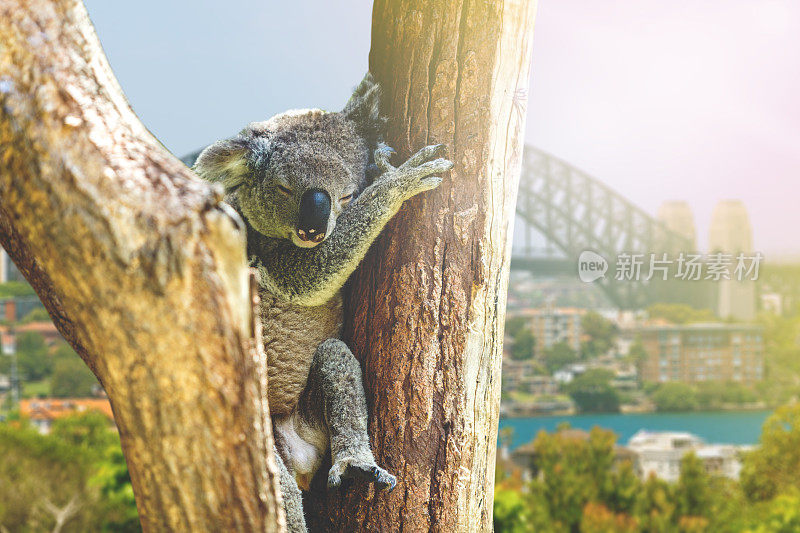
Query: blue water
[(714, 427)]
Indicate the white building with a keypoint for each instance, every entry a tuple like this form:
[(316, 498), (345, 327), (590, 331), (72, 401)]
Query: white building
[(4, 260), (8, 271), (660, 453), (567, 374)]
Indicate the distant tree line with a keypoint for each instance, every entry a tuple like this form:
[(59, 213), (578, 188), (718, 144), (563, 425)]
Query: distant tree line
[(58, 368), (709, 395)]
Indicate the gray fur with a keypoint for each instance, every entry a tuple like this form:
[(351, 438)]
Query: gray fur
[(316, 393), (292, 499)]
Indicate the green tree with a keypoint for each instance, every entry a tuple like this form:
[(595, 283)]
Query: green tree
[(515, 324), (71, 377), (692, 492), (33, 358), (675, 397), (78, 466), (680, 313), (575, 468), (592, 392), (774, 466), (558, 356), (37, 469), (524, 345), (511, 512), (622, 489), (38, 314), (714, 394), (729, 510), (90, 430), (13, 289), (97, 436), (781, 357), (783, 515), (601, 334), (506, 436), (114, 483), (637, 352), (597, 518), (655, 505)]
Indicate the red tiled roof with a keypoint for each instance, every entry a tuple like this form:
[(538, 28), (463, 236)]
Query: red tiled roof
[(53, 408), (45, 329)]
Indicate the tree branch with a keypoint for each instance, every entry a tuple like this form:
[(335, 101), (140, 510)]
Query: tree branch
[(427, 304), (144, 273), (61, 515)]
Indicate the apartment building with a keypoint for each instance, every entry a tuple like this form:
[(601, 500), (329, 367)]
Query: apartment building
[(702, 352)]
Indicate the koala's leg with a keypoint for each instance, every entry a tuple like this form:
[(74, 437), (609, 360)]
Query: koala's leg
[(335, 387), (292, 499)]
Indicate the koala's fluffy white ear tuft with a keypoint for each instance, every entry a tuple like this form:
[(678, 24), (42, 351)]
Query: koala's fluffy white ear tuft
[(363, 109), (224, 162)]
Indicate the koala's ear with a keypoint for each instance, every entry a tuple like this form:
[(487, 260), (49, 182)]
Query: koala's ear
[(363, 109), (224, 162)]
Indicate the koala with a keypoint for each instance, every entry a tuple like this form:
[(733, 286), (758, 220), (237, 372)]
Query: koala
[(314, 189)]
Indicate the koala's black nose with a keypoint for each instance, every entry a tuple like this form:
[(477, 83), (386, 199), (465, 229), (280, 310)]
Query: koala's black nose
[(315, 209)]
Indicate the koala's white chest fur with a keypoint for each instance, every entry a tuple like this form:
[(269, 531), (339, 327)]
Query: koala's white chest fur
[(303, 447), (291, 334)]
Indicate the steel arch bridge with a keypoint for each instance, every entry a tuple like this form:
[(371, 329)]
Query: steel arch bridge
[(576, 212)]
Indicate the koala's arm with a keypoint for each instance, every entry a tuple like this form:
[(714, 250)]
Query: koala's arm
[(311, 276)]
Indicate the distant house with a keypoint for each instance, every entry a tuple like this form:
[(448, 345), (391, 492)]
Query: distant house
[(525, 456), (625, 376), (15, 308), (524, 376), (660, 453), (44, 328), (569, 373), (551, 325), (42, 412)]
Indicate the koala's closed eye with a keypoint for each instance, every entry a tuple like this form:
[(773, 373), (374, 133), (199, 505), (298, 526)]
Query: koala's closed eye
[(346, 198), (285, 190)]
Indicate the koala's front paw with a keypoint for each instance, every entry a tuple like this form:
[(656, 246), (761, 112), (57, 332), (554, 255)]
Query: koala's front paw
[(355, 468), (415, 175)]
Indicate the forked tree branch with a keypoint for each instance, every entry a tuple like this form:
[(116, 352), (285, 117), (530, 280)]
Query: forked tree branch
[(143, 271)]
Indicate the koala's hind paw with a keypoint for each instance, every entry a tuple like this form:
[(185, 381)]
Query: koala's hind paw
[(352, 468)]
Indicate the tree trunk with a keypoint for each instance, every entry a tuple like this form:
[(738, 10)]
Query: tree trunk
[(427, 305), (143, 271)]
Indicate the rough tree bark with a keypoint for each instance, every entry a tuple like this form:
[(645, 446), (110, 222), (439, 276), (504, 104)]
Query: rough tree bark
[(428, 302), (143, 272)]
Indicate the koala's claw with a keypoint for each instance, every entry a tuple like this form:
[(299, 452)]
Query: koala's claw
[(425, 154), (370, 472), (437, 166), (382, 156)]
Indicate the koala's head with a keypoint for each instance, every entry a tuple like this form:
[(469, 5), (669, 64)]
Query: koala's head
[(292, 175)]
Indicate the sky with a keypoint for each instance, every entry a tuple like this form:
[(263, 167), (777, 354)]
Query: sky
[(679, 100)]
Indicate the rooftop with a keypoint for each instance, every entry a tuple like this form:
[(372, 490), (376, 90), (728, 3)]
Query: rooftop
[(53, 408), (702, 326), (664, 440)]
